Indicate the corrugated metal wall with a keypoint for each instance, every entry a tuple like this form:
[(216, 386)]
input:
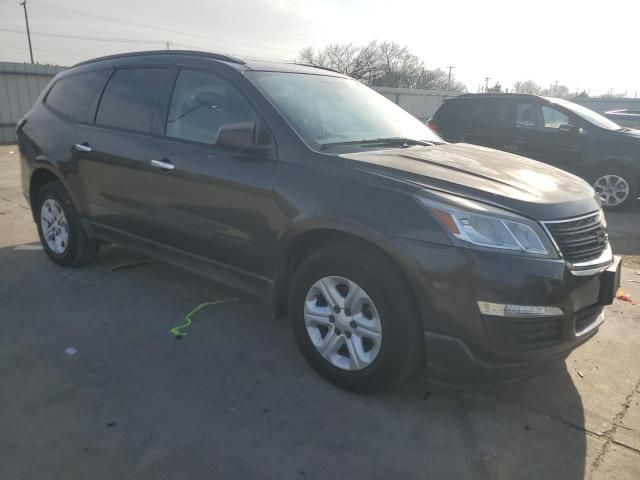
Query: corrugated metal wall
[(20, 85), (420, 103)]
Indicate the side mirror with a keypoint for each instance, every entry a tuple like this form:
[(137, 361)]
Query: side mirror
[(568, 128), (237, 135)]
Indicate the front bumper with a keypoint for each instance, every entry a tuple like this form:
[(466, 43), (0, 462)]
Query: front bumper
[(465, 347)]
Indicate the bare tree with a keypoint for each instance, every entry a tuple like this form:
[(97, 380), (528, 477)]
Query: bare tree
[(367, 65), (386, 64), (528, 86), (437, 79), (497, 88), (307, 55), (560, 91)]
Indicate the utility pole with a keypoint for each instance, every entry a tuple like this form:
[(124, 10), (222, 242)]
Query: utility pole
[(486, 83), (26, 19), (168, 45), (555, 88), (450, 67)]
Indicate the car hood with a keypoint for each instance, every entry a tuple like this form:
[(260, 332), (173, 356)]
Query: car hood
[(629, 133), (519, 184)]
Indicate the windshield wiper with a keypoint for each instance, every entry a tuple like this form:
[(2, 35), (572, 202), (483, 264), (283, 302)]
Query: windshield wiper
[(399, 141)]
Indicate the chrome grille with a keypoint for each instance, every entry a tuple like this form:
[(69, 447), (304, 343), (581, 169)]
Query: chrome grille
[(579, 239)]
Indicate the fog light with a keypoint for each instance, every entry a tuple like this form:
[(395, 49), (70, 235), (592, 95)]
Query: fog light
[(502, 310)]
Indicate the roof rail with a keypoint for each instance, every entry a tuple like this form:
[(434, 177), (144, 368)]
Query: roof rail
[(316, 66), (196, 53), (497, 94)]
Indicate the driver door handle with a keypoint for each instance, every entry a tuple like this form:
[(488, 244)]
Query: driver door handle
[(82, 147), (163, 165)]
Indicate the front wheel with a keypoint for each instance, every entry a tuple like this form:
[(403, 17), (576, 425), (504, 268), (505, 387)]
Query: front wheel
[(354, 320), (617, 188)]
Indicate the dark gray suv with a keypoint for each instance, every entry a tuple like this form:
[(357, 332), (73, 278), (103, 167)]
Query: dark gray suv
[(383, 244), (552, 130)]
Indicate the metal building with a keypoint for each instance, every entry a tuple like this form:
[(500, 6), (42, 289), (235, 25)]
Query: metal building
[(20, 85)]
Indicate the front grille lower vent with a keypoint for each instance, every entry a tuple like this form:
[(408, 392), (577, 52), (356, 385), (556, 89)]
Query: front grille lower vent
[(537, 333)]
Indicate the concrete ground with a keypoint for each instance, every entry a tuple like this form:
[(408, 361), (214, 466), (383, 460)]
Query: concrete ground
[(235, 399)]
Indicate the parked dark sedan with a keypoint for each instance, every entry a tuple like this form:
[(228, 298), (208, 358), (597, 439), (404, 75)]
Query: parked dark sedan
[(382, 243), (554, 131)]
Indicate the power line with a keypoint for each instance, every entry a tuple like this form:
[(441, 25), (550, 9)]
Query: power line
[(165, 43), (83, 37), (152, 27), (58, 52), (117, 20)]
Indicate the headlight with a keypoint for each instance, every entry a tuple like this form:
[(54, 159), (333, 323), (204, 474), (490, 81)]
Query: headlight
[(476, 224)]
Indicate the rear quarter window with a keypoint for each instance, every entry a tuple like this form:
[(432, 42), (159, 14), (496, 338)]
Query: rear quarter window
[(76, 95)]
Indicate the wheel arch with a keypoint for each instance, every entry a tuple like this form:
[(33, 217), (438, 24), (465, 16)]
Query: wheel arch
[(40, 177), (316, 234), (622, 161)]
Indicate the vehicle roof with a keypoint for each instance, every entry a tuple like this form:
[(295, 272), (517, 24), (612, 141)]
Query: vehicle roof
[(234, 62), (502, 95)]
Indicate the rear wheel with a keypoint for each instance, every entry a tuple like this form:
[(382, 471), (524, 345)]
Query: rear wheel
[(617, 188), (354, 321), (59, 227)]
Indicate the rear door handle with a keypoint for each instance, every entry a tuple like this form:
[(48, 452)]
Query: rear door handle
[(82, 147), (163, 165)]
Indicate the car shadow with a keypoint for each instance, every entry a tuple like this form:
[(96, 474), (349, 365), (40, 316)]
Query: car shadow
[(529, 429), (234, 397)]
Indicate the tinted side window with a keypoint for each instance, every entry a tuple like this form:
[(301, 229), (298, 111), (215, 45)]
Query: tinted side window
[(449, 112), (464, 112), (539, 117), (553, 118), (529, 115), (202, 103), (129, 99), (75, 96), (497, 113)]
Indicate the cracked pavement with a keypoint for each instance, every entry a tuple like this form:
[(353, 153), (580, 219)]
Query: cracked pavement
[(234, 398)]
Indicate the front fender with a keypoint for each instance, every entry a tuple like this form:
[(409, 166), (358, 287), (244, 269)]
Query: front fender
[(338, 229)]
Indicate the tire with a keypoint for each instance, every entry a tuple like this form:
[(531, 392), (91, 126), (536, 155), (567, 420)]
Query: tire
[(400, 349), (74, 249), (611, 177)]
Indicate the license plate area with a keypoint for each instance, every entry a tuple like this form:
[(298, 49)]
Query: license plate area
[(610, 282)]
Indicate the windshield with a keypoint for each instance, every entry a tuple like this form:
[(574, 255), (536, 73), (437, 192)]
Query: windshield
[(587, 114), (331, 111)]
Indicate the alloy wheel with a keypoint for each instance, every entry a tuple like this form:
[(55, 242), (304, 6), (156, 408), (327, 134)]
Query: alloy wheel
[(343, 323), (612, 190), (55, 228)]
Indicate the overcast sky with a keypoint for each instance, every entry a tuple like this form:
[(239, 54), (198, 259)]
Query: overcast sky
[(584, 45)]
